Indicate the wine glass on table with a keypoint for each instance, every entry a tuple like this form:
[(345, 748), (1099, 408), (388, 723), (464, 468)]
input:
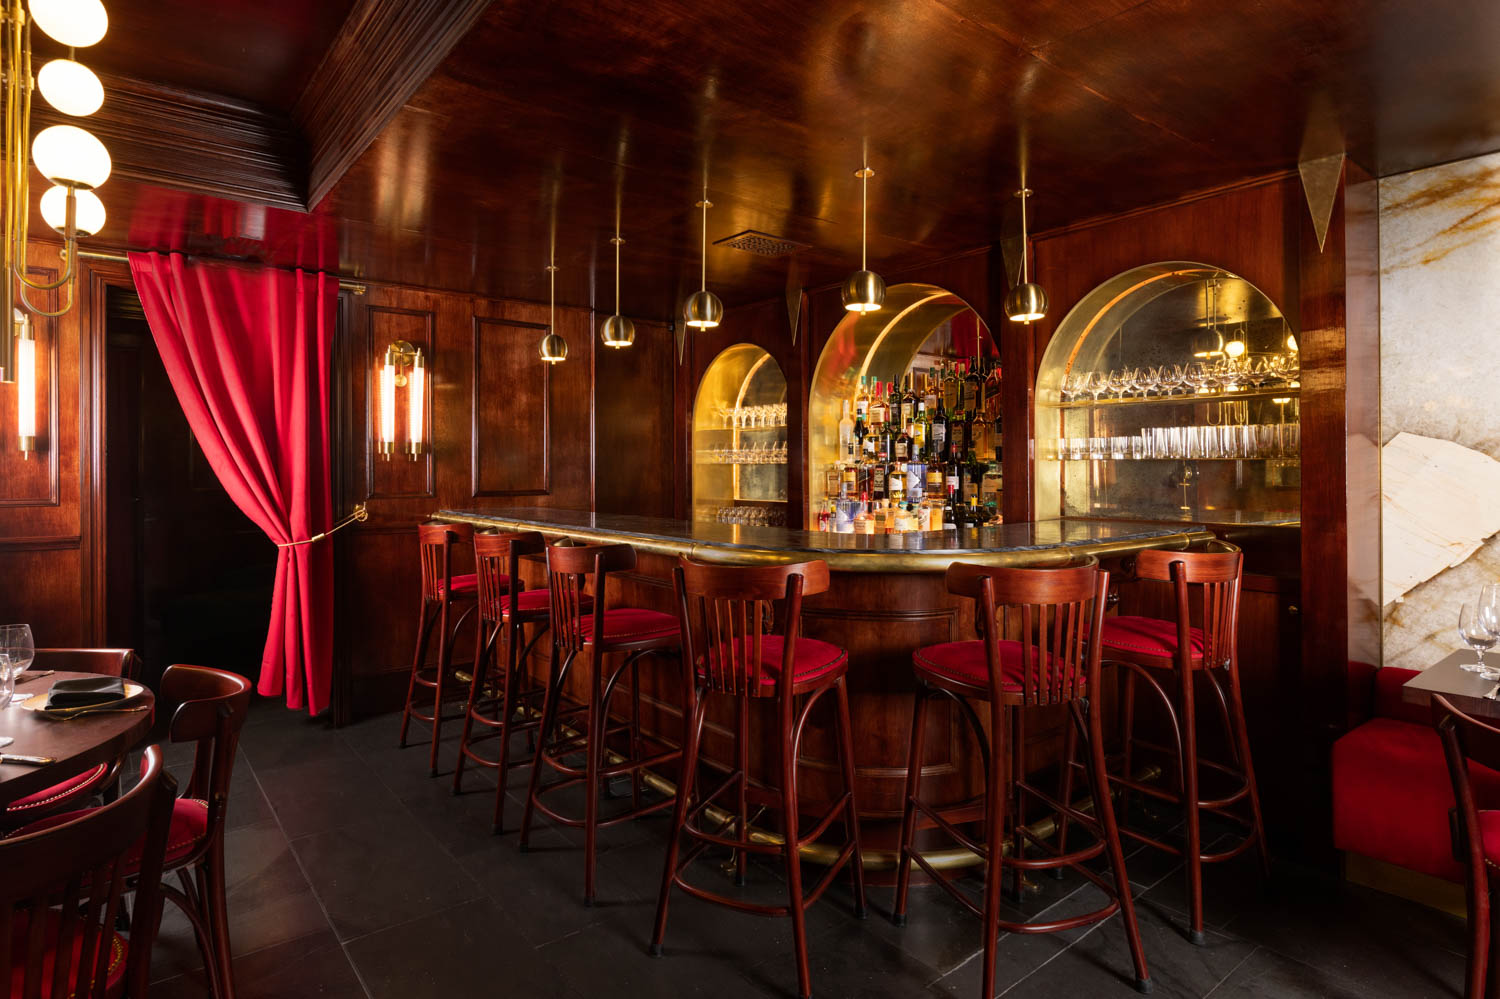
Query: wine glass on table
[(1477, 637), (17, 645), (1489, 608)]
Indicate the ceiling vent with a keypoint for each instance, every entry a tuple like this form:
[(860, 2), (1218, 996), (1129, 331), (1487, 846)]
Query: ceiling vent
[(762, 244)]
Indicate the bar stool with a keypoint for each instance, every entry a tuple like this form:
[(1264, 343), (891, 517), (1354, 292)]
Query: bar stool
[(441, 590), (725, 612), (1471, 742), (1150, 649), (579, 622), (1057, 614), (498, 691)]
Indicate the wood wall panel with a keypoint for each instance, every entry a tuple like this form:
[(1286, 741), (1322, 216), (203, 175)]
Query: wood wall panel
[(510, 407), (633, 391)]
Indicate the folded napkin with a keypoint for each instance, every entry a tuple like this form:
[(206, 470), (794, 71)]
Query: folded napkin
[(85, 692)]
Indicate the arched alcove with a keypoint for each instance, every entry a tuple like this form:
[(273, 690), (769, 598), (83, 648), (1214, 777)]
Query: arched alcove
[(739, 425)]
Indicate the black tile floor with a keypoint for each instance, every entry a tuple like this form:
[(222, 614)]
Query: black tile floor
[(354, 874)]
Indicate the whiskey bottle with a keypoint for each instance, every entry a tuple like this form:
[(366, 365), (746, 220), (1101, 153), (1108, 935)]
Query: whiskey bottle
[(902, 450), (909, 401)]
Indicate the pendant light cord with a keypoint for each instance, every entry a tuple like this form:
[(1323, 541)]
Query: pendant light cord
[(1025, 266), (618, 241), (703, 246), (864, 218)]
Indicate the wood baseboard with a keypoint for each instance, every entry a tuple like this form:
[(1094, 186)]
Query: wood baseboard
[(1414, 886)]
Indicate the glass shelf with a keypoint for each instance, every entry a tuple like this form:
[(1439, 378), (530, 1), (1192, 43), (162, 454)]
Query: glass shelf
[(743, 430), (1197, 397), (1290, 458)]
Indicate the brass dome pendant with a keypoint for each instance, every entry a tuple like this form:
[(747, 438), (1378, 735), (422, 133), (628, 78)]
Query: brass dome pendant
[(554, 348), (1026, 302), (703, 309), (617, 330), (864, 291)]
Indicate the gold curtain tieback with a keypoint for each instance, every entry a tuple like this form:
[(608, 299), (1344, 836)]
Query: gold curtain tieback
[(360, 514)]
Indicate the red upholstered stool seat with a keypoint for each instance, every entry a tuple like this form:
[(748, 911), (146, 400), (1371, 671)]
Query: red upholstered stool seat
[(469, 583), (539, 601), (185, 835), (964, 662), (1148, 636), (21, 928), (58, 795), (811, 659), (629, 624)]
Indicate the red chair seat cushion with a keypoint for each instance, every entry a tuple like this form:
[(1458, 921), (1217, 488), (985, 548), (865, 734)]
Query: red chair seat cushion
[(469, 583), (1391, 796), (811, 659), (534, 601), (966, 663), (1148, 636), (630, 624), (114, 973), (185, 835), (60, 794)]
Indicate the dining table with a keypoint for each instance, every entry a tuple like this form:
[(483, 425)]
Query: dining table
[(73, 744), (1464, 689)]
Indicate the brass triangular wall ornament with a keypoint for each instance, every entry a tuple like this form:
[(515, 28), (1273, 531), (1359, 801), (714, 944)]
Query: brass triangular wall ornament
[(1010, 249), (1320, 182), (794, 295), (680, 329)]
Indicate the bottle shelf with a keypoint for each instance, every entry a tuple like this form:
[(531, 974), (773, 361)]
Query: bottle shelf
[(1272, 394)]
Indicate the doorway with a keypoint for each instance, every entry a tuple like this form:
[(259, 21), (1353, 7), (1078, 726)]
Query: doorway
[(188, 577)]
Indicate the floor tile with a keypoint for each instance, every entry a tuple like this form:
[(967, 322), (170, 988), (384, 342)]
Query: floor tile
[(1268, 975), (378, 872), (312, 966), (318, 795), (473, 949)]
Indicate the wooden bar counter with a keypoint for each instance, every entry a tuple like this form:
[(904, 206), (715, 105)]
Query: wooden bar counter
[(887, 598)]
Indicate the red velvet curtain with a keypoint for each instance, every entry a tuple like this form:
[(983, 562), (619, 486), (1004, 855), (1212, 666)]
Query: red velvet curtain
[(248, 354)]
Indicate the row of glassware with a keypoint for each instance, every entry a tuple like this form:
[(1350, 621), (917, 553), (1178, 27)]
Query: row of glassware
[(1197, 378), (751, 417), (759, 453), (1255, 440), (757, 516)]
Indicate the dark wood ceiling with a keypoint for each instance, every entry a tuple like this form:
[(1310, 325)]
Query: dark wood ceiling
[(546, 116)]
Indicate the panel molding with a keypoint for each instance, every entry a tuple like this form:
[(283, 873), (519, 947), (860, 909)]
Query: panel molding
[(372, 404), (197, 142), (384, 52), (476, 490), (59, 543)]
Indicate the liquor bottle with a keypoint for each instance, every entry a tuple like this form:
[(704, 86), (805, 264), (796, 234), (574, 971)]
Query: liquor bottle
[(974, 387), (878, 476), (950, 512), (992, 391), (862, 400), (929, 391), (864, 521), (823, 518), (880, 413), (909, 400), (949, 389), (895, 482), (974, 518), (938, 431), (848, 481), (902, 450), (831, 478), (997, 437), (846, 435), (957, 438)]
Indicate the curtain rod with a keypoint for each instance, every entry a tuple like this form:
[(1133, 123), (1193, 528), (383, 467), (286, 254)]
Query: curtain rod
[(120, 258)]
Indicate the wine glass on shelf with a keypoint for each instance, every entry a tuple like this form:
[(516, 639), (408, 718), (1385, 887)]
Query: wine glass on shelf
[(1477, 637), (16, 644)]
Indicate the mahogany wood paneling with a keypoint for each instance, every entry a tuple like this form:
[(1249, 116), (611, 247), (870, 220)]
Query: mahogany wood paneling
[(191, 141), (511, 409), (634, 470), (385, 50)]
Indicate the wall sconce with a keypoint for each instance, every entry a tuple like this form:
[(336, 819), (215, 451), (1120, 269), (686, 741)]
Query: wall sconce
[(402, 368), (25, 382)]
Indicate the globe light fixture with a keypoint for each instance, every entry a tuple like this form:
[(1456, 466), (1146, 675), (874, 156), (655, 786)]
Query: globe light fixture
[(71, 87), (88, 210), (75, 23)]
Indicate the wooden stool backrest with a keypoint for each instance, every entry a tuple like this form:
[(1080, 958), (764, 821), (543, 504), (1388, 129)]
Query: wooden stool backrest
[(1055, 613), (568, 570), (207, 707), (435, 543), (497, 564), (1465, 740), (106, 662), (1216, 570), (81, 867), (725, 612)]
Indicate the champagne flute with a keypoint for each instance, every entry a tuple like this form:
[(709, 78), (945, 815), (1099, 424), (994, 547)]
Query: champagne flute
[(1477, 637), (17, 644)]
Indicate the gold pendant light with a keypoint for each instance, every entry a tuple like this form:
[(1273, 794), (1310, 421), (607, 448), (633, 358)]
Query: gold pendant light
[(703, 311), (617, 330), (1026, 301), (554, 347), (865, 290)]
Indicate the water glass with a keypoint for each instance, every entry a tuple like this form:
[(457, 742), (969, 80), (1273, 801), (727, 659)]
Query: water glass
[(7, 680)]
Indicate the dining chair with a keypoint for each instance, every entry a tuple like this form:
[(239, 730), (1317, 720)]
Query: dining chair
[(1467, 742), (102, 778), (61, 896)]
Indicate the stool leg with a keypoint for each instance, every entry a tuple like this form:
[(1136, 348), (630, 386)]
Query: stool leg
[(1065, 791), (742, 801), (792, 849), (594, 752), (543, 733), (637, 748), (444, 653), (424, 631), (1104, 808), (476, 686), (1127, 731), (1242, 736), (996, 796), (909, 806), (512, 670), (1015, 808), (846, 762), (1194, 853), (690, 741)]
